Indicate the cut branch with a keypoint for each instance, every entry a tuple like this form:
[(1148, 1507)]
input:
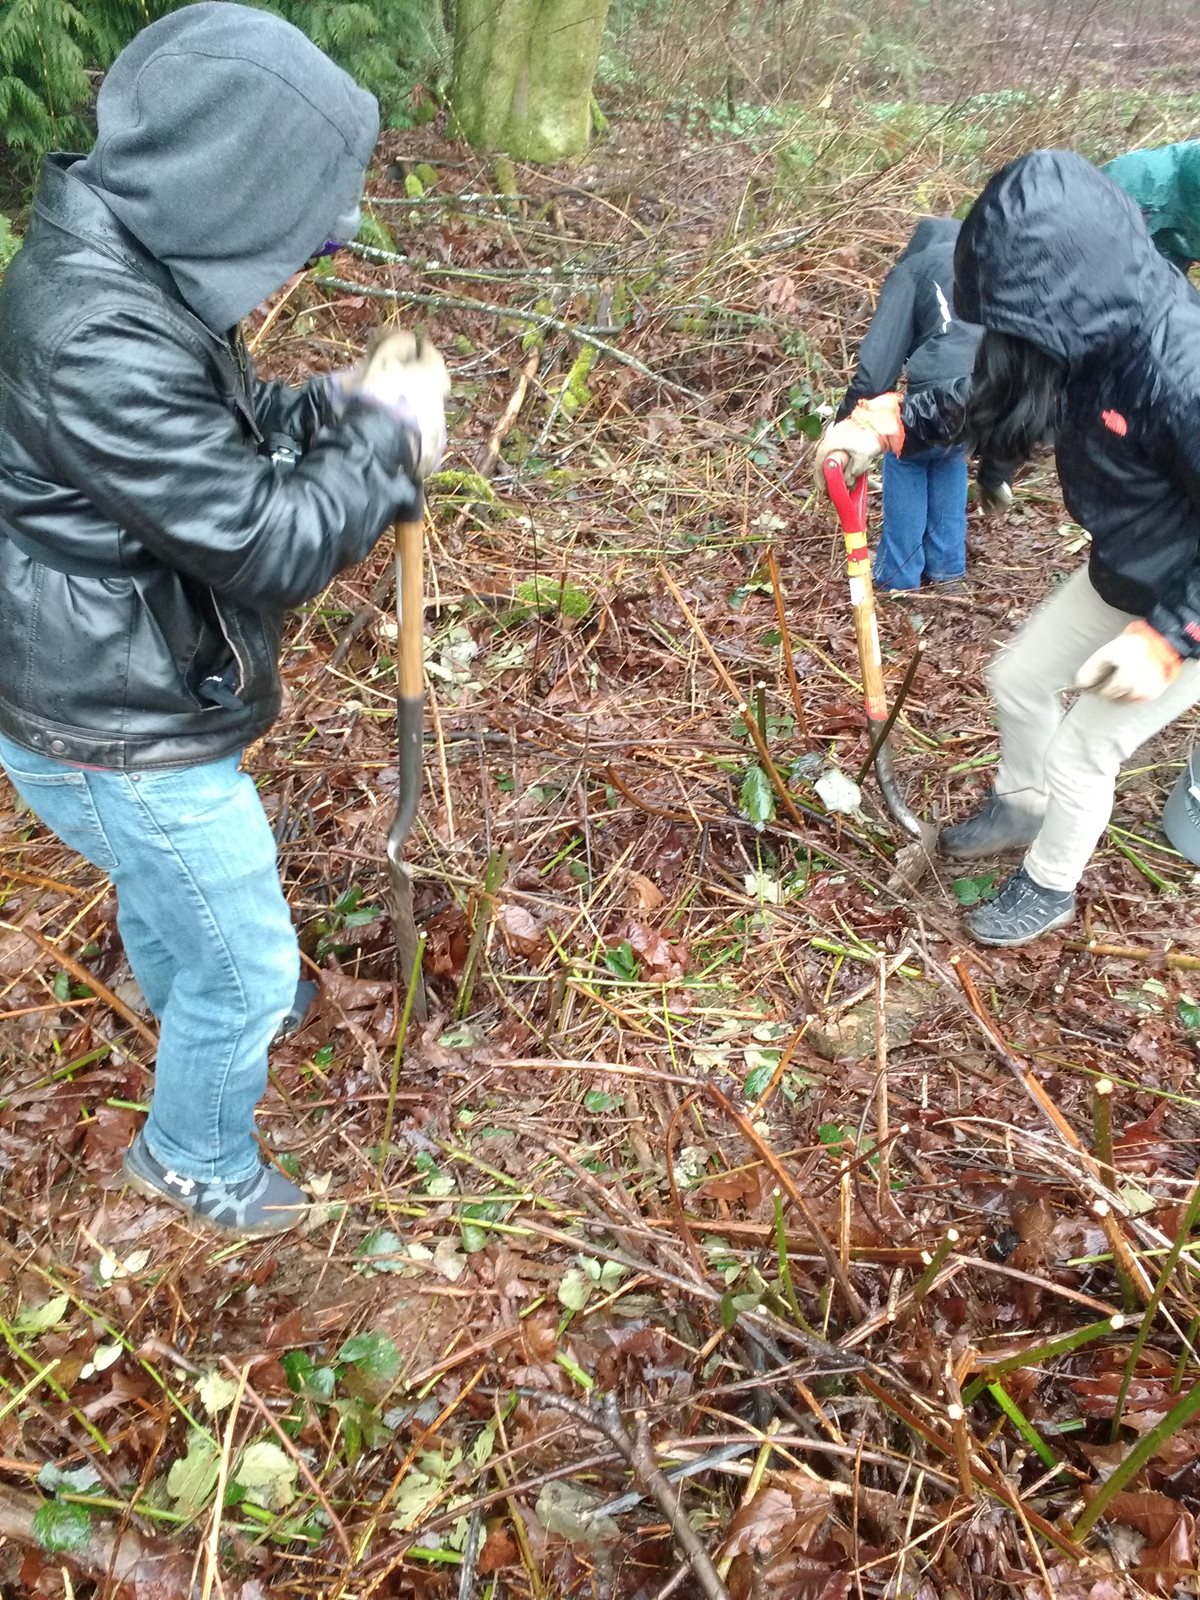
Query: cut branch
[(537, 319)]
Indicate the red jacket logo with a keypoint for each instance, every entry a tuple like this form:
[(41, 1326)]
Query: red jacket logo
[(1115, 423)]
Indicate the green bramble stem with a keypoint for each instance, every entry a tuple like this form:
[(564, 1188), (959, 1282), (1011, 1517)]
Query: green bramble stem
[(1145, 1450), (934, 1264), (1023, 1425), (1102, 1091), (785, 1271), (1041, 1353), (1168, 1267)]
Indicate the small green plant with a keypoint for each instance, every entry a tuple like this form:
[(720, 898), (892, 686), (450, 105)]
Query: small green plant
[(973, 891), (623, 963), (373, 232), (353, 1385), (756, 798), (62, 1527), (554, 594), (576, 394), (347, 913)]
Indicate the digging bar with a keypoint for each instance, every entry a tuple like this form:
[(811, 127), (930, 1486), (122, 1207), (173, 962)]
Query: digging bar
[(851, 507), (410, 718)]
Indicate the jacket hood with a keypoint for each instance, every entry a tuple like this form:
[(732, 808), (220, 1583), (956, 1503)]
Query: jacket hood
[(229, 146), (930, 231), (1053, 252)]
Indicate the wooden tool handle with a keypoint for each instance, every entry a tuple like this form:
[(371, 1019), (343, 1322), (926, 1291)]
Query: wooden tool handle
[(851, 507), (410, 608), (866, 634)]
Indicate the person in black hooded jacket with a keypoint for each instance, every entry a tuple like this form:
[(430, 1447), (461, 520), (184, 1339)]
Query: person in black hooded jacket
[(160, 507), (914, 331), (1092, 337)]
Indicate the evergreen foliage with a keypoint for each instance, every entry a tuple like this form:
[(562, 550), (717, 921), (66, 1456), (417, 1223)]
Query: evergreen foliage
[(9, 243), (45, 48), (386, 45), (52, 52)]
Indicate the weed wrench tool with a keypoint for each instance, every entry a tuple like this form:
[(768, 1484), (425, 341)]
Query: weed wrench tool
[(851, 507), (410, 718)]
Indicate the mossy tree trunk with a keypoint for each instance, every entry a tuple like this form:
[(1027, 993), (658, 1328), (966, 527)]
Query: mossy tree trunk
[(523, 74)]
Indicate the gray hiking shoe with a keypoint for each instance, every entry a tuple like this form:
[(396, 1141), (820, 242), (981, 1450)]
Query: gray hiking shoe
[(265, 1202), (1022, 911), (306, 997), (996, 827)]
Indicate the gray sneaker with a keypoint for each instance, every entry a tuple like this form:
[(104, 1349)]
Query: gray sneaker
[(1021, 912), (306, 998), (997, 826), (265, 1202)]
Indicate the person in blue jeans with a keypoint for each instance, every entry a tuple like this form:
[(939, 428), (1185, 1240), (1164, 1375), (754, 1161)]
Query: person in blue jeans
[(924, 536), (914, 332), (160, 509)]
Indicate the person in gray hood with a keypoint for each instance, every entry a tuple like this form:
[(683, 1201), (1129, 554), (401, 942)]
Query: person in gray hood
[(160, 508)]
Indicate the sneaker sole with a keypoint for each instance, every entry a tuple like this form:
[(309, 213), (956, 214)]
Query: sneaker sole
[(149, 1191), (1027, 938), (984, 851)]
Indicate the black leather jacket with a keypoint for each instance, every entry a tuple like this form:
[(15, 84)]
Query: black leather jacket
[(149, 545)]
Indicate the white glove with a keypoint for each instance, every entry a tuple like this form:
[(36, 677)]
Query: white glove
[(408, 377), (1137, 665), (861, 438), (858, 447)]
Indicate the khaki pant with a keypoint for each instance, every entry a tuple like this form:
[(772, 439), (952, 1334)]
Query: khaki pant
[(1062, 765)]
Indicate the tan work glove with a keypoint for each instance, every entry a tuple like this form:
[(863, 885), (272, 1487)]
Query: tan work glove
[(861, 438), (407, 376), (1137, 665)]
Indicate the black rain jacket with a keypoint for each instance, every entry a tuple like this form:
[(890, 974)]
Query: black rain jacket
[(915, 330), (1055, 253)]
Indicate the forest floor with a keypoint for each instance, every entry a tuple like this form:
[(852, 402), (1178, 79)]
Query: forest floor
[(732, 1226)]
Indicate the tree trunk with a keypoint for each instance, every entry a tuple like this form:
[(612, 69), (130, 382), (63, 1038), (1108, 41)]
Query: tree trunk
[(523, 70)]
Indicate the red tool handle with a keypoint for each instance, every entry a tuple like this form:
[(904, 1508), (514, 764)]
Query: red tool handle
[(851, 507), (850, 504)]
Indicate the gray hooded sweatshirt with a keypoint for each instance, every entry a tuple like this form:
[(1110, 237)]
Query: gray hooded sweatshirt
[(230, 147)]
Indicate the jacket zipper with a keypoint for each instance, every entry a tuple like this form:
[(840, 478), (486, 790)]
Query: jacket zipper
[(237, 348), (243, 667)]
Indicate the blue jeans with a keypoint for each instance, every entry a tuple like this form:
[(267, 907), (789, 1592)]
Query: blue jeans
[(206, 930), (924, 519)]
